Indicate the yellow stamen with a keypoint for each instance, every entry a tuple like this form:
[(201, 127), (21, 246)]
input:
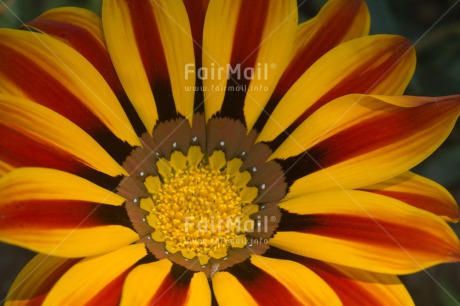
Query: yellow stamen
[(199, 210)]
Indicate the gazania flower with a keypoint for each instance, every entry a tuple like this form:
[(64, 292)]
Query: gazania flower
[(194, 153)]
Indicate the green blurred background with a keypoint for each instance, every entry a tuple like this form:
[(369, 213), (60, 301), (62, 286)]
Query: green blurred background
[(436, 36)]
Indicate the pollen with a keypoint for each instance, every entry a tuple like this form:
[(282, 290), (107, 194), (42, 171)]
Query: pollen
[(199, 211)]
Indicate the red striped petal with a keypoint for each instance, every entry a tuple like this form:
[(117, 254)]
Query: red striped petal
[(196, 11), (268, 281), (337, 22), (175, 287), (239, 38), (367, 231), (58, 213), (256, 282), (34, 135), (58, 73), (36, 279), (111, 293), (82, 30), (164, 283), (353, 286), (20, 151), (150, 44), (99, 279), (378, 64), (356, 141), (419, 192)]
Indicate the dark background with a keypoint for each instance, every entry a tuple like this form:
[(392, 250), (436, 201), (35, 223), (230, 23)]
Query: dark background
[(437, 41)]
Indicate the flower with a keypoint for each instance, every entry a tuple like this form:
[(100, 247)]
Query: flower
[(195, 152)]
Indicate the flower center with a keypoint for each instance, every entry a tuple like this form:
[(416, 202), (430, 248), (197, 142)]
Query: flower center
[(203, 196), (199, 212)]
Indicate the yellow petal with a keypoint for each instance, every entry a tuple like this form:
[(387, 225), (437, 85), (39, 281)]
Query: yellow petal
[(229, 291), (48, 184), (143, 282), (200, 293), (337, 22)]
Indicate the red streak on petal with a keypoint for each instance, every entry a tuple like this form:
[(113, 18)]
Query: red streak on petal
[(196, 11), (425, 202), (360, 81), (367, 231), (175, 287), (323, 40), (151, 50), (20, 150), (42, 87), (60, 214), (257, 282), (246, 43), (349, 292), (367, 136), (111, 293), (37, 296), (96, 53), (363, 80)]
